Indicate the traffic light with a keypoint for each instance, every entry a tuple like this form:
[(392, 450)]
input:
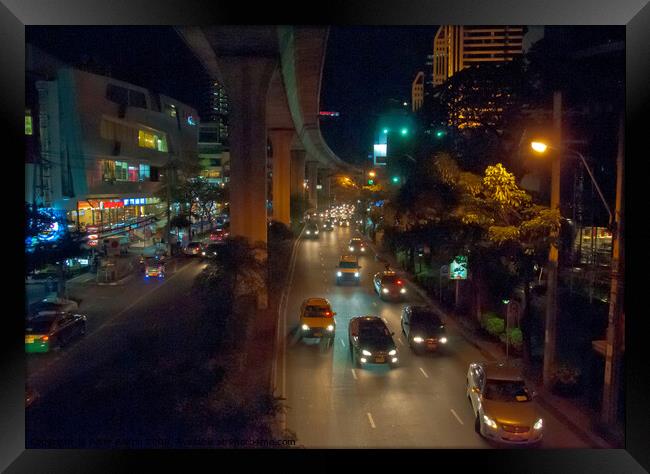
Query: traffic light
[(371, 182), (404, 131), (440, 133), (395, 179)]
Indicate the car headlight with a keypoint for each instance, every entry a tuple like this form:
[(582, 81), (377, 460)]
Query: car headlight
[(338, 274), (392, 353), (356, 274), (330, 328), (384, 290), (351, 249), (203, 253), (315, 232), (490, 422), (418, 339), (538, 424), (402, 291), (443, 340), (363, 249), (308, 232), (305, 327), (366, 353)]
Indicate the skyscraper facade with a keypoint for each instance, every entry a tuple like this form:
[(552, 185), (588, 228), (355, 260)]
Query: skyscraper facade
[(457, 47)]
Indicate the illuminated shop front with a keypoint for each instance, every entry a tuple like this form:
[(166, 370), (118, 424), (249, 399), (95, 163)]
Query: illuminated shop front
[(107, 212)]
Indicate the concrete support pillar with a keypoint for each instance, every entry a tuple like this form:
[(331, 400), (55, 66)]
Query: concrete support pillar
[(325, 192), (247, 80), (298, 172), (312, 177), (281, 144)]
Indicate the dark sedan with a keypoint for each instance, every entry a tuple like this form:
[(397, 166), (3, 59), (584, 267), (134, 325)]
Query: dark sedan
[(211, 251), (423, 328), (371, 342), (311, 230), (47, 331)]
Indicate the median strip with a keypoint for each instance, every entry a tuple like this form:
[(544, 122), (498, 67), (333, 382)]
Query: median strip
[(424, 373)]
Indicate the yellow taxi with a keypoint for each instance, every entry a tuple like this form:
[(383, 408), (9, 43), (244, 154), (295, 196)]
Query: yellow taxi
[(317, 319)]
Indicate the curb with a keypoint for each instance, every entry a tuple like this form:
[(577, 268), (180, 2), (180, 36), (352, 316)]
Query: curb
[(584, 434)]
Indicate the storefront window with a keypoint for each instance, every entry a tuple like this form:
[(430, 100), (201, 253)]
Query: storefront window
[(133, 173), (152, 140), (121, 170), (108, 170), (144, 172)]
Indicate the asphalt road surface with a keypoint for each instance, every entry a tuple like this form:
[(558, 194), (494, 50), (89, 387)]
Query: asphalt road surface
[(331, 404)]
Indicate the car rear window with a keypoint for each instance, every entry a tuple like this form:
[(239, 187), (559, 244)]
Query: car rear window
[(317, 311), (389, 279), (39, 326)]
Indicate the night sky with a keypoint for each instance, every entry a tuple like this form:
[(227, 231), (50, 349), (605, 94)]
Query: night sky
[(364, 67)]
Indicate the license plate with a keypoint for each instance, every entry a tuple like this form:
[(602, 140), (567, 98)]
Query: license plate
[(432, 345), (318, 334), (380, 360), (29, 339)]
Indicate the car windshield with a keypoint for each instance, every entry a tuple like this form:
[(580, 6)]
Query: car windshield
[(389, 279), (428, 321), (506, 391), (374, 332), (40, 326), (348, 265), (317, 311), (355, 241)]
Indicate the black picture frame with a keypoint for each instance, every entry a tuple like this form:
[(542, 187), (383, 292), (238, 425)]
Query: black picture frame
[(634, 14)]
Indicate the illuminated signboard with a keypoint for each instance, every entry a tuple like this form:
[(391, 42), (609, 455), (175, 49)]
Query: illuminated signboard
[(380, 149), (458, 268), (328, 114)]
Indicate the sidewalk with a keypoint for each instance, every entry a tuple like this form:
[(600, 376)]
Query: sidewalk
[(577, 417)]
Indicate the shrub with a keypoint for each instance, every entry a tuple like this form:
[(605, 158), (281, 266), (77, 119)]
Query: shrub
[(486, 316), (515, 337), (495, 326)]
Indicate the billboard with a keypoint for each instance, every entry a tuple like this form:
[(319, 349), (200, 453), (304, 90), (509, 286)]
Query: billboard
[(379, 153)]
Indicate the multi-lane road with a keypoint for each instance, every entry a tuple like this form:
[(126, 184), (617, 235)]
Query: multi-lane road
[(331, 404)]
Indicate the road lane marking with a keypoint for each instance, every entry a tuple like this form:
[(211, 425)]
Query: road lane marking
[(354, 374), (342, 343), (423, 372), (385, 320), (457, 417), (400, 341), (372, 423)]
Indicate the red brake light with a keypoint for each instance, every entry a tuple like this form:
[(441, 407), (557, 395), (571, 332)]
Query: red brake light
[(45, 338), (327, 313), (399, 282)]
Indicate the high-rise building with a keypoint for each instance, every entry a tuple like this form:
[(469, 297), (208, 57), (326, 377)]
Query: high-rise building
[(213, 135), (104, 146), (215, 110), (417, 92), (457, 47)]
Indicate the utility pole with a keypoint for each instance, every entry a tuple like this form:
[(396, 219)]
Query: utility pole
[(616, 318), (550, 334)]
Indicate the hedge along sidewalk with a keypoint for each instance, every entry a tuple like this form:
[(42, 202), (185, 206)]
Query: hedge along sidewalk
[(579, 419)]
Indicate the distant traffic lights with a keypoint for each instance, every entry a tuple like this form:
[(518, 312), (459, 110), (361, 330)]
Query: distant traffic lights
[(395, 179), (440, 133), (371, 182)]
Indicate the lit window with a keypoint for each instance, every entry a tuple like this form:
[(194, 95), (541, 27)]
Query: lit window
[(28, 123), (133, 173), (145, 172), (121, 170), (152, 141)]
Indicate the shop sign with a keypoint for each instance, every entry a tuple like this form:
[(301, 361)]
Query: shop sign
[(134, 202), (458, 268), (110, 204)]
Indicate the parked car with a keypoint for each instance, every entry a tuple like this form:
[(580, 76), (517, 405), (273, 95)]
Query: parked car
[(371, 342), (423, 328), (502, 404), (47, 331)]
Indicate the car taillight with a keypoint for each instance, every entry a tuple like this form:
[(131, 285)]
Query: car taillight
[(45, 338), (327, 313), (399, 282)]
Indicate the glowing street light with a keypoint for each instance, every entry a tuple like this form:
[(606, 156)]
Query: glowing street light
[(372, 174), (539, 147)]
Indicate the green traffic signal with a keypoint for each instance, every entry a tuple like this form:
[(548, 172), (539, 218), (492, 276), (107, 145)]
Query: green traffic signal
[(371, 182), (440, 133), (404, 131), (395, 179)]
